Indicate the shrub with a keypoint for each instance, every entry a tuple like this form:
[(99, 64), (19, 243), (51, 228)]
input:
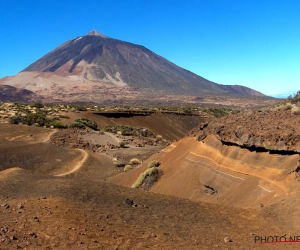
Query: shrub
[(145, 132), (187, 110), (37, 105), (217, 112), (39, 118), (159, 137), (77, 125), (16, 119), (294, 99), (64, 116), (153, 164), (87, 122), (296, 111), (127, 131), (134, 161), (288, 106), (56, 124), (123, 144), (127, 168), (235, 111), (147, 179), (118, 163), (81, 108)]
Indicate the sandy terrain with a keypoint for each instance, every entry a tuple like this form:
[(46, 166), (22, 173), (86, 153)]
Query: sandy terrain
[(55, 197)]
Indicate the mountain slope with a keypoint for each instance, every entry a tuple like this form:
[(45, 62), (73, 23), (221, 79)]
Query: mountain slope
[(95, 57)]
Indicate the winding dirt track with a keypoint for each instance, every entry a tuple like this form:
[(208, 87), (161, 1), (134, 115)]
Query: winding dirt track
[(78, 165), (47, 138)]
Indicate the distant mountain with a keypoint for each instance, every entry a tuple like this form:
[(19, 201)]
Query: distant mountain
[(285, 94), (97, 60)]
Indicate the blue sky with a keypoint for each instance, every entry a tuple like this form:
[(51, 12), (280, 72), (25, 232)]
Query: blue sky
[(255, 43)]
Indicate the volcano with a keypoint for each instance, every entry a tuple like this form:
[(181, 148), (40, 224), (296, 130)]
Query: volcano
[(90, 66)]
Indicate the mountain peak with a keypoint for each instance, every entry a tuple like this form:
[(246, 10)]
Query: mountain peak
[(96, 58), (96, 33)]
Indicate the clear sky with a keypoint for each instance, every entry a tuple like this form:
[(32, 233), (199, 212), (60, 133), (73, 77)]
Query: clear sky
[(255, 43)]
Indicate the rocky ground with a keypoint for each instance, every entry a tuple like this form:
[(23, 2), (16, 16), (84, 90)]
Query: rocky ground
[(101, 142), (79, 213), (55, 197), (260, 130)]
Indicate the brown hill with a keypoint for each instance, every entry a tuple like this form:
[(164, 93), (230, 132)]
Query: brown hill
[(245, 160)]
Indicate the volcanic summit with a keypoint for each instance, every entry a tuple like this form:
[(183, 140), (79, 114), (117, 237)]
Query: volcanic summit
[(98, 67)]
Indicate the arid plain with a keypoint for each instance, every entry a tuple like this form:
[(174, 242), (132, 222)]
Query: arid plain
[(222, 183)]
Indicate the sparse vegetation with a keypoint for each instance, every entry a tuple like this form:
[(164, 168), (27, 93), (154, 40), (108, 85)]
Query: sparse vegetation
[(57, 124), (294, 99), (64, 116), (118, 163), (15, 119), (81, 108), (127, 168), (37, 105), (217, 112), (127, 131), (152, 174), (159, 137), (77, 125), (296, 110), (87, 122), (40, 119), (153, 164), (134, 161), (123, 144)]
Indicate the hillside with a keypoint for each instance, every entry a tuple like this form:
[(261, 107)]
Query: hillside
[(248, 160)]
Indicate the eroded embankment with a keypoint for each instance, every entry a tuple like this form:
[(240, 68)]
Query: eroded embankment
[(211, 171)]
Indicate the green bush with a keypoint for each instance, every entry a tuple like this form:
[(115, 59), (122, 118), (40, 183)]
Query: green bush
[(77, 125), (38, 118), (81, 108), (16, 119), (128, 131), (87, 122), (187, 110), (217, 112), (64, 116), (56, 124), (123, 144)]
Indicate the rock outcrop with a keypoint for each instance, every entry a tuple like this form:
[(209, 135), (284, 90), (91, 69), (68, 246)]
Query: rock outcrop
[(277, 132)]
